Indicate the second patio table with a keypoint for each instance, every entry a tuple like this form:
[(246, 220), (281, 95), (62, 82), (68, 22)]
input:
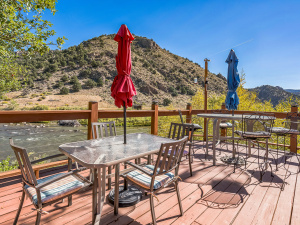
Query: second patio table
[(216, 136), (98, 154)]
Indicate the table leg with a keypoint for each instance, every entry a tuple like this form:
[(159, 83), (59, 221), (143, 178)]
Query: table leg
[(116, 200), (101, 192), (206, 138), (232, 135), (215, 127), (249, 128), (94, 199)]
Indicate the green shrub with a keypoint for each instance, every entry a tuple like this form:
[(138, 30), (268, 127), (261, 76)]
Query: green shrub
[(64, 78), (63, 63), (95, 63), (85, 73), (171, 89), (174, 94), (72, 64), (90, 84), (6, 165), (190, 92), (52, 68), (74, 79), (166, 102), (64, 91), (39, 65), (40, 107), (30, 82), (76, 87), (100, 82)]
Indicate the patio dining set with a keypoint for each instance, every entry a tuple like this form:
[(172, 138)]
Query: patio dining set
[(149, 163)]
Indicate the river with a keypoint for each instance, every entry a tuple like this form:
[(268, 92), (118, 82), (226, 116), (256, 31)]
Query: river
[(42, 140)]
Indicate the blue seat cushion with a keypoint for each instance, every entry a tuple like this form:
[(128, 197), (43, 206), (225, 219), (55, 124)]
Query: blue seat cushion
[(143, 180), (55, 190)]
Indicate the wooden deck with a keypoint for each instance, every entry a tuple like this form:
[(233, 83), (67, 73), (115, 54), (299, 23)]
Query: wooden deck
[(213, 195)]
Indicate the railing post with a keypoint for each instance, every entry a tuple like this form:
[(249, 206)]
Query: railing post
[(293, 137), (189, 115), (93, 106), (154, 118)]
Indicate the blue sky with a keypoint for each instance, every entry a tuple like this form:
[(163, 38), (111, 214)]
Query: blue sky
[(200, 29)]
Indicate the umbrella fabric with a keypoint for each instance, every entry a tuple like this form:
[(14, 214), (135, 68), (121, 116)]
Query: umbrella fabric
[(233, 81), (122, 89)]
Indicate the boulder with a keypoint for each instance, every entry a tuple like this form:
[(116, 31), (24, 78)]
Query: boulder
[(68, 123)]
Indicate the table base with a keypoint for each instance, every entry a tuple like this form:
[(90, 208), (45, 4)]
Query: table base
[(128, 197), (233, 160)]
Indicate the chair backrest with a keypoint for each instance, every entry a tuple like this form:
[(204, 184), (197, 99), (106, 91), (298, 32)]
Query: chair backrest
[(180, 114), (168, 158), (103, 129), (27, 173), (293, 121), (259, 121), (179, 130)]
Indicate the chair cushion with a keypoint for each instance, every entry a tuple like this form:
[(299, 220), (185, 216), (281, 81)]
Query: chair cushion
[(225, 125), (144, 180), (282, 130), (256, 134), (55, 190)]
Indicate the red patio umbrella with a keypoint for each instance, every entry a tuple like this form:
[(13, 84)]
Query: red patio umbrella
[(122, 89)]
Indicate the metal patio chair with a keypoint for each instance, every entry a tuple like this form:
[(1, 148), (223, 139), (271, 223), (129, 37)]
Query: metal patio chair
[(101, 130), (254, 128), (152, 179), (45, 191), (291, 126), (178, 131), (197, 127)]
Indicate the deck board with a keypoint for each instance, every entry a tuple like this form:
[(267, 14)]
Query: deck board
[(229, 198)]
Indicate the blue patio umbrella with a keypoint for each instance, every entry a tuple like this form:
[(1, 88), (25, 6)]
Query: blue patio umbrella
[(233, 81)]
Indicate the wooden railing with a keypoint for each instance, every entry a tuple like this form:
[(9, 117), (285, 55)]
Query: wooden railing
[(93, 114)]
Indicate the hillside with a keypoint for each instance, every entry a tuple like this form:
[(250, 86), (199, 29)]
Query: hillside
[(89, 69), (275, 94)]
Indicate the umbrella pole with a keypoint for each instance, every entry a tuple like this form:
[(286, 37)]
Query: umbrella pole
[(124, 107), (233, 149)]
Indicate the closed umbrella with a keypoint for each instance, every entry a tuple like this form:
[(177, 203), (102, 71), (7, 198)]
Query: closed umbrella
[(233, 81), (122, 88)]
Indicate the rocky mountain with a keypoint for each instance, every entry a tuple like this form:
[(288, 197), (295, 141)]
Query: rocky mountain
[(275, 94), (293, 91), (89, 68)]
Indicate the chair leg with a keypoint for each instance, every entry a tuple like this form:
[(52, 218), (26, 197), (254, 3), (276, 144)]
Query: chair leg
[(70, 200), (190, 161), (20, 207), (178, 197), (38, 218), (109, 179), (152, 210)]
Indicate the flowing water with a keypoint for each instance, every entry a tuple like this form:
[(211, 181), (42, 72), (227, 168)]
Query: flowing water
[(42, 140)]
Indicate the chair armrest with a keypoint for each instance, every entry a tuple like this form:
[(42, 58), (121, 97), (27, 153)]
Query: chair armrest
[(139, 168), (39, 186), (46, 158)]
